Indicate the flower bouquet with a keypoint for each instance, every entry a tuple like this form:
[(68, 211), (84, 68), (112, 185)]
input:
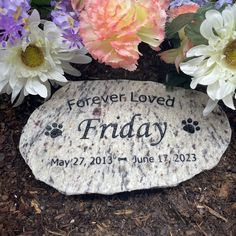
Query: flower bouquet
[(39, 39)]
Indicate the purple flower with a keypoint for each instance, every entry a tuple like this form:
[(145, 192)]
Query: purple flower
[(178, 3), (13, 15), (67, 20), (65, 5), (201, 2), (220, 3)]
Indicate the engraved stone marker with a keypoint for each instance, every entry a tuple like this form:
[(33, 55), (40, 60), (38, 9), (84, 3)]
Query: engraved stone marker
[(114, 136)]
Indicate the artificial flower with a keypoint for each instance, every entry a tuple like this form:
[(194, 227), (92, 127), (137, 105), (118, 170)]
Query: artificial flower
[(201, 3), (220, 3), (112, 29), (188, 8), (178, 3), (67, 20), (13, 15), (214, 64), (178, 55), (43, 56)]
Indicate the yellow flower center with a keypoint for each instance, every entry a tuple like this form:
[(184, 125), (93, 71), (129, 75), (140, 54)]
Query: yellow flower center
[(230, 53), (32, 56)]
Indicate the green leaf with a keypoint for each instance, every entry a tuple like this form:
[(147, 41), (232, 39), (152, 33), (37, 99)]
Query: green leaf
[(192, 31), (40, 2), (178, 23), (43, 6), (191, 23), (175, 41), (44, 12)]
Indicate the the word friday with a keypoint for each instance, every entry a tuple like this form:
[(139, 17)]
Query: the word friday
[(154, 131)]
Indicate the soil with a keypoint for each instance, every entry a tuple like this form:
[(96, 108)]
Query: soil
[(204, 205)]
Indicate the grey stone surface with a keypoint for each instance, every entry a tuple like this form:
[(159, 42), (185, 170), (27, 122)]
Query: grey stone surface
[(113, 136)]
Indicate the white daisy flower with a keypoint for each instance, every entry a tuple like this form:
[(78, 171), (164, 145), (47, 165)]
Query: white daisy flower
[(214, 64), (27, 67)]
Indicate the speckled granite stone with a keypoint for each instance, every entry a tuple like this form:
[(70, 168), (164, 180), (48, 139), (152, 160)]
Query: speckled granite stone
[(113, 136)]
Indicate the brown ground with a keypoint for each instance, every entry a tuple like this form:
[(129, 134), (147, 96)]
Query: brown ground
[(204, 205)]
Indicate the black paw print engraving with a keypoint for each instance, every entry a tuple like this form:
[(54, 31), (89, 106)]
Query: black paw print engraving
[(54, 130), (190, 126)]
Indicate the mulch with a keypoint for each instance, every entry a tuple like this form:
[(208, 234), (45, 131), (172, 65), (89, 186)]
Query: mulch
[(204, 205)]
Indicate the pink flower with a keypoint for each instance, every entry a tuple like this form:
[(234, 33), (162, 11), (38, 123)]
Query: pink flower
[(112, 29)]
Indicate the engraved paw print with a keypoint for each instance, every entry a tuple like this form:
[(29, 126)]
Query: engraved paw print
[(190, 126), (54, 130)]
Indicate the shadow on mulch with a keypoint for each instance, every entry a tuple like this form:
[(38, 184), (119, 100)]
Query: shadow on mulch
[(204, 205)]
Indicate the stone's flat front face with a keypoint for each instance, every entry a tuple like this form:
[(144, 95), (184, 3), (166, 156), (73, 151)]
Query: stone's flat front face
[(113, 136)]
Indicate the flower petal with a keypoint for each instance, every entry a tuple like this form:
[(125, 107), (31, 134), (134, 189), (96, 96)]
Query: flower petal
[(34, 87), (16, 90), (210, 78), (48, 86), (39, 88), (229, 20), (195, 82), (214, 21), (228, 101), (80, 59), (70, 69), (29, 88), (209, 107), (225, 90), (200, 50), (20, 99), (3, 83), (34, 18), (194, 67), (54, 75)]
